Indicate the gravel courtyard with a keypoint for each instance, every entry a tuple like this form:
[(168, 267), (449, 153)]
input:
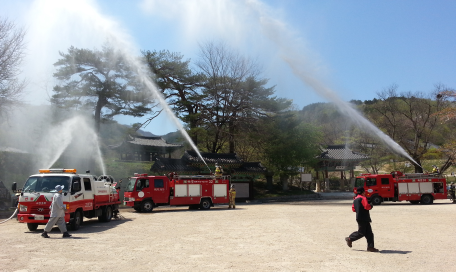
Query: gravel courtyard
[(290, 236)]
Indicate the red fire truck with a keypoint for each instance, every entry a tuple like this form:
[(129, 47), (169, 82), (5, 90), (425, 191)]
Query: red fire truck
[(415, 188), (83, 195), (144, 192)]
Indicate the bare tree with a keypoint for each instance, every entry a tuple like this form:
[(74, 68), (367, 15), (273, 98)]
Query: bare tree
[(11, 55), (234, 96), (409, 118)]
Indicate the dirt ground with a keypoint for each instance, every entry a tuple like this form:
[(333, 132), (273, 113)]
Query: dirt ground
[(292, 236)]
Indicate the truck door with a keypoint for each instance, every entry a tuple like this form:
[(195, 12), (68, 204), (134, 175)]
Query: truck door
[(160, 190), (143, 188), (385, 187), (371, 184), (87, 193)]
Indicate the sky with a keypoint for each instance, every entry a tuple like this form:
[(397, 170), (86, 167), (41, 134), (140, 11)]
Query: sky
[(354, 49)]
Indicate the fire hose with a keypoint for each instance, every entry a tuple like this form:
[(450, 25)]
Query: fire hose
[(4, 221)]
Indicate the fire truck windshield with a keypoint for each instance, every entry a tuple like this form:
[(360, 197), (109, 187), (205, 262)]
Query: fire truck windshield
[(359, 182), (46, 184), (131, 185)]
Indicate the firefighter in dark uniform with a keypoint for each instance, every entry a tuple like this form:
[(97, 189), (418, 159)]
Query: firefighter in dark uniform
[(452, 192), (362, 207)]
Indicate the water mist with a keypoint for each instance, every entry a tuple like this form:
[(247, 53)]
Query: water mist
[(75, 131), (93, 24)]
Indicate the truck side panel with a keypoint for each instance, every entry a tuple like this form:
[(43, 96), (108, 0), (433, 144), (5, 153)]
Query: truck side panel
[(180, 190), (426, 187), (220, 190), (413, 188), (402, 188), (194, 190)]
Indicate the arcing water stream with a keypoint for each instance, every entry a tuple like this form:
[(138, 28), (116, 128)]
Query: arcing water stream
[(289, 48), (75, 131), (101, 26)]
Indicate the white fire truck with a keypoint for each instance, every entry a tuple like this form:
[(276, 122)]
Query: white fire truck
[(415, 188), (144, 192), (83, 195)]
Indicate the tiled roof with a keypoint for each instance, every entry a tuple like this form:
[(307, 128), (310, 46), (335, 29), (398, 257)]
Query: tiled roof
[(341, 152), (163, 165), (212, 158), (250, 167), (172, 165), (156, 141), (150, 141)]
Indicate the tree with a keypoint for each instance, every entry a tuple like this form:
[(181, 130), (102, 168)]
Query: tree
[(11, 55), (374, 148), (180, 86), (100, 81), (234, 96), (335, 127), (288, 144), (409, 119), (447, 115)]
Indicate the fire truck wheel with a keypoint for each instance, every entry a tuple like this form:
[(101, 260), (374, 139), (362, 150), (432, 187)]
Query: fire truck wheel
[(147, 206), (427, 199), (376, 200), (77, 221), (106, 214), (32, 226), (205, 204)]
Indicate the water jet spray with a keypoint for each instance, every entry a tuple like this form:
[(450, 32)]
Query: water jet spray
[(288, 46)]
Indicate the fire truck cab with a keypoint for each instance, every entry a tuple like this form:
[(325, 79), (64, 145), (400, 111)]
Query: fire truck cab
[(82, 195), (415, 187), (144, 192)]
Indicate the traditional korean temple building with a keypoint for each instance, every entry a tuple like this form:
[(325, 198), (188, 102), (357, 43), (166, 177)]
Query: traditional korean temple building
[(339, 158), (142, 148), (242, 173)]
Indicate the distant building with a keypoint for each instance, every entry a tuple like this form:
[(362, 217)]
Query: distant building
[(142, 148), (338, 158), (5, 197)]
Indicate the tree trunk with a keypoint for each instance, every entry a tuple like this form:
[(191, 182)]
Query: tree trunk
[(317, 186), (342, 184), (99, 106), (232, 129), (418, 168), (284, 180), (269, 176)]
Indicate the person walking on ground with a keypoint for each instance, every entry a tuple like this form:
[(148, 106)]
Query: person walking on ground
[(232, 197), (57, 214), (362, 207)]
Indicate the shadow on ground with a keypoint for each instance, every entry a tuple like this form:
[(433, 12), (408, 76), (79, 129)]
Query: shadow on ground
[(88, 226), (387, 251), (395, 252), (183, 209)]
